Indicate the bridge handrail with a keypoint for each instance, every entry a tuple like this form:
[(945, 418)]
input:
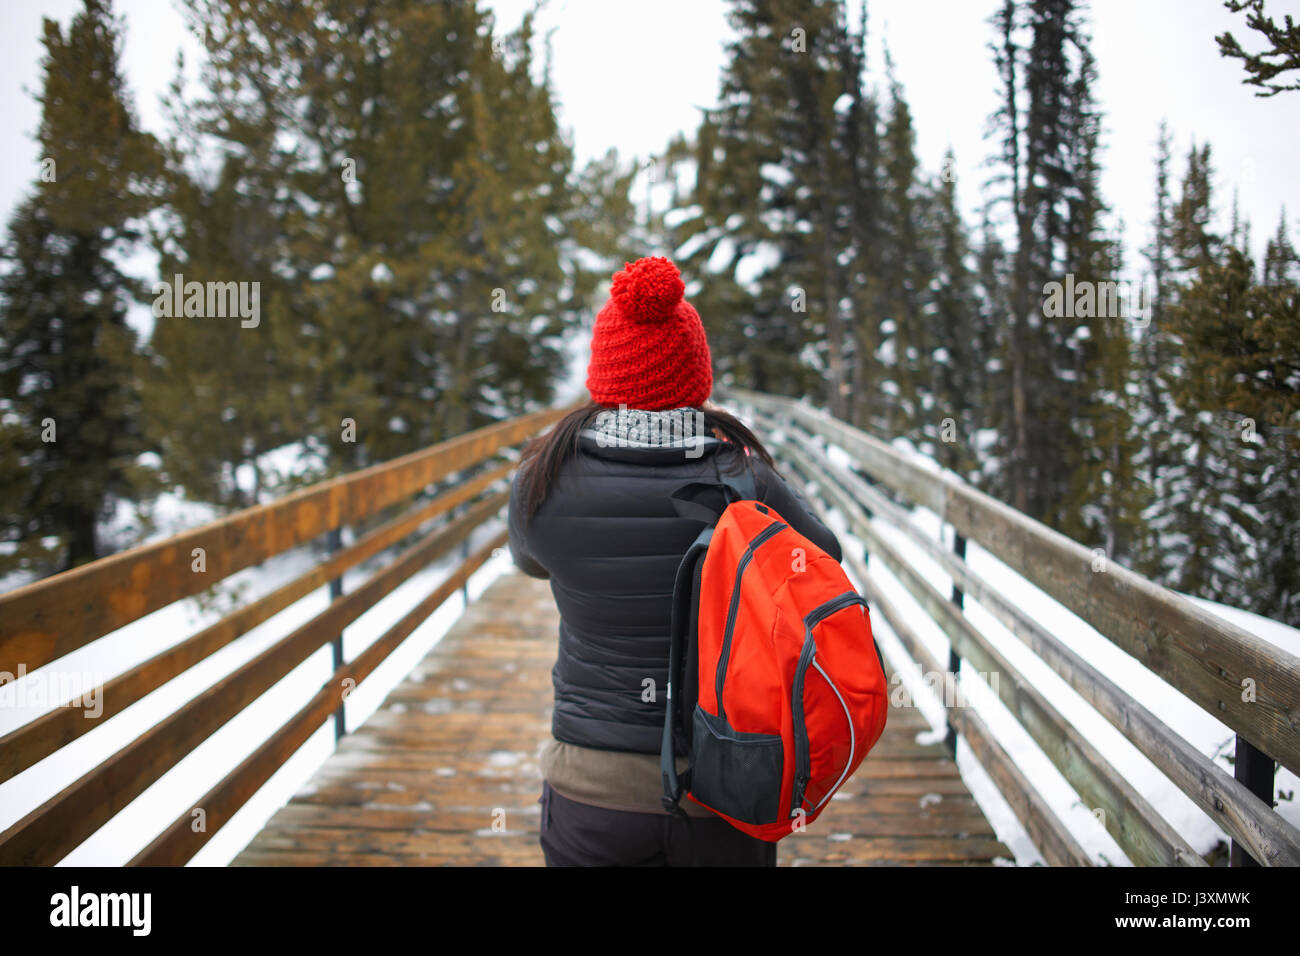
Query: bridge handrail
[(44, 621), (52, 617), (1202, 655), (37, 739), (796, 427)]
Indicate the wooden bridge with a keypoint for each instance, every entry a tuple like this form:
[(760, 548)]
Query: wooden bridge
[(446, 771)]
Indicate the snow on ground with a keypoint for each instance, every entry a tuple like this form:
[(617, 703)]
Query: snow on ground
[(182, 787), (1197, 726)]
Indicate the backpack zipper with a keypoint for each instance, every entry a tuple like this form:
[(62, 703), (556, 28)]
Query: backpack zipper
[(734, 608), (803, 762), (837, 603), (852, 735)]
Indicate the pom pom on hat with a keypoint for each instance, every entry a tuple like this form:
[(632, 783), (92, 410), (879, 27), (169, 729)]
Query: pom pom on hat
[(648, 290)]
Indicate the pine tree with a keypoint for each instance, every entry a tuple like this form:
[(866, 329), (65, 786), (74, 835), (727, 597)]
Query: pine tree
[(767, 228), (1281, 56), (1205, 524), (1240, 343), (865, 239), (995, 280), (960, 340), (605, 228), (1275, 330), (1106, 502), (1045, 70), (1154, 341), (68, 361), (607, 223), (1009, 476), (1153, 356), (1220, 525), (907, 267), (418, 190), (223, 391)]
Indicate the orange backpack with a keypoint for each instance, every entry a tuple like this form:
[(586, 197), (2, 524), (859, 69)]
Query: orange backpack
[(776, 687)]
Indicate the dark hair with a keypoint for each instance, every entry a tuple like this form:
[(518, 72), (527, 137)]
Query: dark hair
[(541, 458)]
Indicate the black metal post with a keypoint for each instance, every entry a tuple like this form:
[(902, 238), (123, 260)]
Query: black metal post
[(453, 515), (1254, 769), (464, 554), (334, 540), (954, 662)]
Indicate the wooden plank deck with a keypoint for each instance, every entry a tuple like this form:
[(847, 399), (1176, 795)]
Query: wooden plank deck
[(446, 771)]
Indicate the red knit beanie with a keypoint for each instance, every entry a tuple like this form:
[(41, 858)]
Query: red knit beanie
[(648, 350)]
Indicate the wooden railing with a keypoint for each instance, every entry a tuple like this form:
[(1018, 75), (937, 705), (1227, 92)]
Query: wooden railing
[(45, 621), (1207, 659)]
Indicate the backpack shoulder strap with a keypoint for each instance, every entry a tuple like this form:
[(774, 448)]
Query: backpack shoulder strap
[(743, 484), (684, 620), (706, 500), (703, 501)]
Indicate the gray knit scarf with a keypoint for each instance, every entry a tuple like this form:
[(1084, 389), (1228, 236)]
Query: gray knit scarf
[(624, 427)]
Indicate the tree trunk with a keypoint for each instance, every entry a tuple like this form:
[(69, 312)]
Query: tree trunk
[(83, 544)]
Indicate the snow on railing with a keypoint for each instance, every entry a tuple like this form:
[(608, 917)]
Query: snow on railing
[(1250, 685)]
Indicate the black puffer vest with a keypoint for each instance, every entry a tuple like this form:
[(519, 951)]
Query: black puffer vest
[(609, 540)]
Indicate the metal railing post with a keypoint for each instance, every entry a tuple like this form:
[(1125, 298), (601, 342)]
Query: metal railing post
[(1254, 769), (454, 514), (464, 553), (334, 540), (954, 661), (464, 549)]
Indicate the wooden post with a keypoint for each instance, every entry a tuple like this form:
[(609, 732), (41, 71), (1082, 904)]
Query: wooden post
[(334, 540), (954, 661), (1254, 769)]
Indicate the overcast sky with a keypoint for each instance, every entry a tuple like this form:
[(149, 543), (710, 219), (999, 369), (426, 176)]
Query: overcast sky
[(631, 75)]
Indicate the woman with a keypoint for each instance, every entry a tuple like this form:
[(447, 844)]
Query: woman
[(591, 509)]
